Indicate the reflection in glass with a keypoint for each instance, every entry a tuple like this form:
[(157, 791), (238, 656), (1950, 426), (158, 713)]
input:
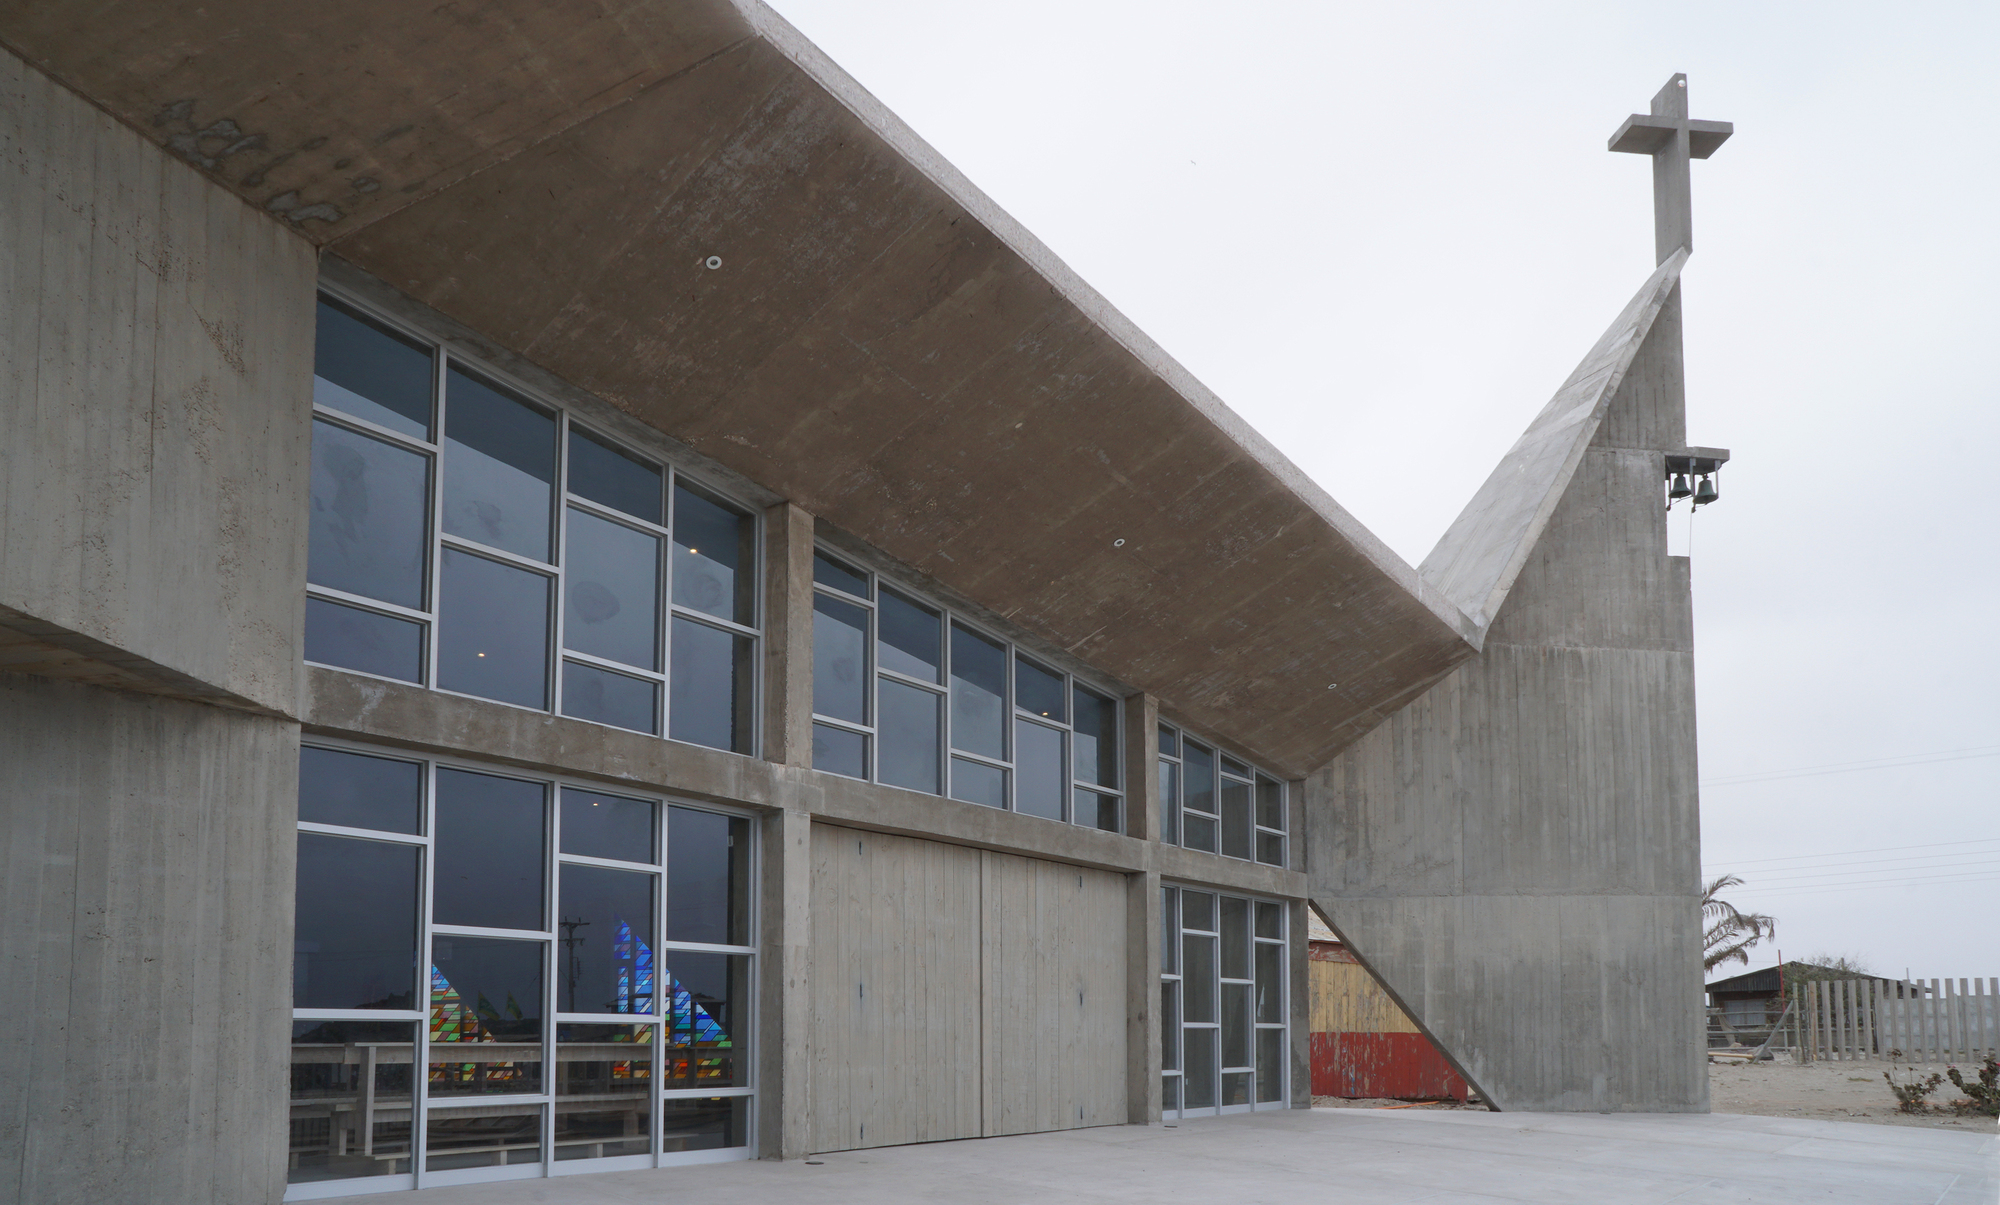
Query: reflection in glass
[(1270, 849), (365, 370), (1170, 1026), (706, 995), (715, 548), (1197, 910), (1169, 939), (367, 642), (350, 1099), (1198, 977), (499, 467), (1170, 741), (1233, 767), (1270, 920), (1270, 1065), (1270, 982), (908, 730), (838, 751), (615, 478), (1236, 1025), (490, 845), (355, 929), (829, 572), (909, 635), (1236, 1089), (1170, 1094), (369, 532), (1198, 832), (710, 685), (603, 697), (1198, 1077), (1170, 803), (1038, 690), (1096, 728), (704, 1123), (493, 630), (840, 660), (356, 790), (1235, 931), (608, 826), (1198, 780), (1236, 819), (604, 940), (482, 1137), (1094, 810), (485, 1017), (978, 694), (1270, 803), (708, 877), (1039, 776), (610, 1067), (977, 782), (612, 591)]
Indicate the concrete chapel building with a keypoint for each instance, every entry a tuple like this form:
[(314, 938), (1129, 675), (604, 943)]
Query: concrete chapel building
[(573, 598)]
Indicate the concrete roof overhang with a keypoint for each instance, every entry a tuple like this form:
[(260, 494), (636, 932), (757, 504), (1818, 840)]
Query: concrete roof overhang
[(882, 344)]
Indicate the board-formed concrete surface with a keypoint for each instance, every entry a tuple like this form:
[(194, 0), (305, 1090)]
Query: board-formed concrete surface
[(1352, 1156)]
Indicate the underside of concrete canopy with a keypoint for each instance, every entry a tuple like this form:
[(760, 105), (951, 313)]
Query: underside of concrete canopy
[(879, 343)]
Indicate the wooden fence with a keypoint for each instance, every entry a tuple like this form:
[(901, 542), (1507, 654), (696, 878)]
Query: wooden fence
[(1919, 1021)]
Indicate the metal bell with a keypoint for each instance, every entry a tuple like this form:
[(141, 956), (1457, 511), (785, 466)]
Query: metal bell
[(1706, 492), (1679, 488)]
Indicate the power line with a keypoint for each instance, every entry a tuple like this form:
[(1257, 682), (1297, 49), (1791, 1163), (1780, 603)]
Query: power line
[(1927, 881), (1783, 870), (1782, 880), (1880, 849), (1851, 767)]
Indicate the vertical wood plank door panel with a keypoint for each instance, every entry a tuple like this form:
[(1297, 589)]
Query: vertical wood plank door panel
[(1053, 938), (896, 1014)]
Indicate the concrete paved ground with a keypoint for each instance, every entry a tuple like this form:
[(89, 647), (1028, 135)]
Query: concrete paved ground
[(1353, 1157)]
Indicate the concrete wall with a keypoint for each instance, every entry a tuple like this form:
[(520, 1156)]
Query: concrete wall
[(146, 854), (1516, 854), (155, 383)]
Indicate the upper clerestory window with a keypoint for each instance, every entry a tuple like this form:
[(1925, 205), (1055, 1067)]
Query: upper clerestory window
[(470, 536), (1212, 802), (908, 694)]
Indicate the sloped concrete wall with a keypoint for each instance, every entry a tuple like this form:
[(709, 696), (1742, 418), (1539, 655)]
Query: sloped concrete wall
[(155, 384), (1516, 854)]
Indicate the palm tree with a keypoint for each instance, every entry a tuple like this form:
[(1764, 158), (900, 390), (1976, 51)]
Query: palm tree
[(1727, 932)]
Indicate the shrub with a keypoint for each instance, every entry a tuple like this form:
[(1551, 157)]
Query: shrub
[(1910, 1096), (1984, 1096)]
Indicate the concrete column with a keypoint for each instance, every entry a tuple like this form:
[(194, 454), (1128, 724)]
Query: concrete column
[(1142, 914), (784, 1076), (1299, 976), (784, 1082), (788, 552)]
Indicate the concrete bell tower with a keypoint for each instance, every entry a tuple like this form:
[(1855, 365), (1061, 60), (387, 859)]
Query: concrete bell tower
[(1516, 854)]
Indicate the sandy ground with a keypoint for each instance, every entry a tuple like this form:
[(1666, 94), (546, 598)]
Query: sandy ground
[(1822, 1091), (1835, 1092)]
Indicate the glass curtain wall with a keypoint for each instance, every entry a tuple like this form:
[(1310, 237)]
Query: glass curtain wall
[(1223, 1006), (907, 694), (1212, 802), (499, 976), (468, 536)]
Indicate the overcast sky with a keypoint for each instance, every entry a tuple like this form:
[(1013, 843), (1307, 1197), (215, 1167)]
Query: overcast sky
[(1385, 233)]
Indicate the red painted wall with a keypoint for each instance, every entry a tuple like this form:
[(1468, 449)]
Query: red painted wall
[(1397, 1066)]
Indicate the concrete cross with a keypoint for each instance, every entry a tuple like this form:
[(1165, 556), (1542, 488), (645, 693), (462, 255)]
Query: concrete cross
[(1671, 139)]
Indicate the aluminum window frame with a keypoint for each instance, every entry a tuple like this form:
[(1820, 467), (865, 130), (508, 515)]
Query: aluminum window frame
[(1172, 978), (1173, 810), (444, 358), (1012, 713), (746, 1040)]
